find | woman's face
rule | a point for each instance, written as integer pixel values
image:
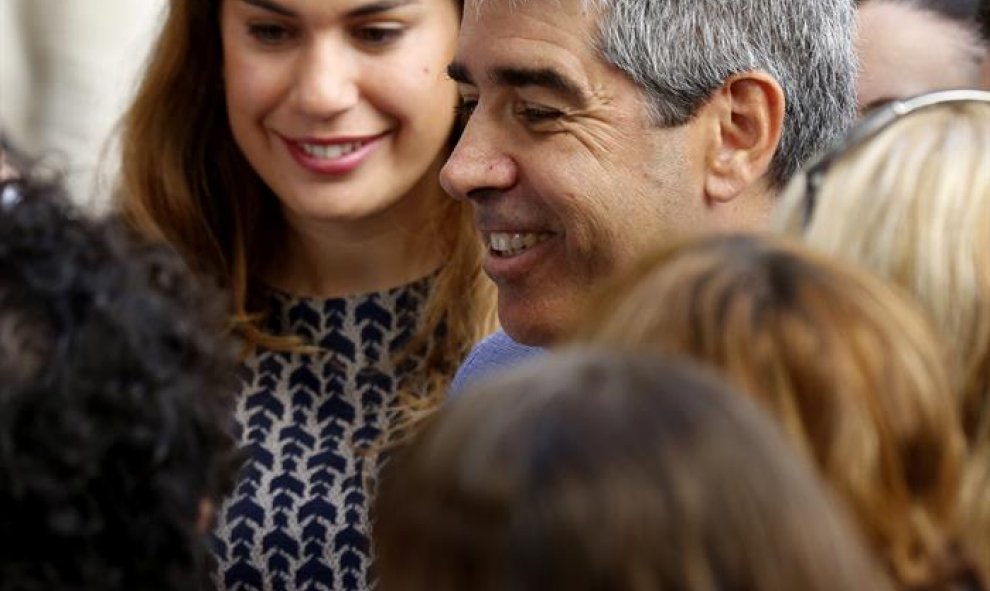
(341, 106)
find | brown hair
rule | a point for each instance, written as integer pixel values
(185, 181)
(594, 471)
(912, 204)
(846, 363)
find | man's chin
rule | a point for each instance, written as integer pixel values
(527, 325)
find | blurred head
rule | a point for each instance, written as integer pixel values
(595, 129)
(115, 404)
(908, 196)
(847, 365)
(896, 63)
(596, 471)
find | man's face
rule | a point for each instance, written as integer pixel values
(569, 177)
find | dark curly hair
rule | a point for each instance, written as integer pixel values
(116, 419)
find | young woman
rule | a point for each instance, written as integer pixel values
(290, 149)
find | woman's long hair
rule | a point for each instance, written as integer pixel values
(185, 181)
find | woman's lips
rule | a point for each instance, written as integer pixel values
(335, 156)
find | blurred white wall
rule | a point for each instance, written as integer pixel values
(67, 71)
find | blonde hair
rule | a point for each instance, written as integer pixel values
(594, 471)
(185, 181)
(912, 204)
(846, 364)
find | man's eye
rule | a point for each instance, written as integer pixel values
(537, 114)
(270, 33)
(379, 35)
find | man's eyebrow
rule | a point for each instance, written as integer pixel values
(519, 77)
(458, 72)
(542, 77)
(270, 6)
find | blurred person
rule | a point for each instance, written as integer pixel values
(67, 72)
(594, 131)
(847, 365)
(116, 436)
(907, 195)
(908, 47)
(596, 471)
(290, 149)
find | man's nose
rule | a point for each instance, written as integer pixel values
(326, 81)
(478, 164)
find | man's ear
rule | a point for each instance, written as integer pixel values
(745, 118)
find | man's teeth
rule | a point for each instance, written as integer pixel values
(332, 151)
(506, 245)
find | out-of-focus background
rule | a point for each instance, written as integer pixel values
(67, 71)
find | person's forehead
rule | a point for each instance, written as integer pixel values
(531, 33)
(891, 31)
(531, 17)
(893, 61)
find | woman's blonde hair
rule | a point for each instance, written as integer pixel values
(592, 471)
(847, 365)
(185, 181)
(912, 204)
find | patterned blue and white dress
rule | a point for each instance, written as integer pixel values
(298, 518)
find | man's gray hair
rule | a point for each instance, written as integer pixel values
(680, 51)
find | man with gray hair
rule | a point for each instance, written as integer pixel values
(595, 129)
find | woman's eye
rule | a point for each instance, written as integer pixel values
(270, 34)
(379, 35)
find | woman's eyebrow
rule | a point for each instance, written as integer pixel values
(373, 8)
(271, 7)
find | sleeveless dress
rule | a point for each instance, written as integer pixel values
(298, 517)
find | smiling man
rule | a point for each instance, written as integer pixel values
(595, 129)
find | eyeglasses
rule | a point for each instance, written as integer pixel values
(871, 125)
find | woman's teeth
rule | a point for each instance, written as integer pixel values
(331, 151)
(508, 245)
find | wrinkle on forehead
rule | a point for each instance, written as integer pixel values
(547, 44)
(475, 7)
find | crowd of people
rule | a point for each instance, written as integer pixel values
(626, 295)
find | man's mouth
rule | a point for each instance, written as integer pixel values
(506, 244)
